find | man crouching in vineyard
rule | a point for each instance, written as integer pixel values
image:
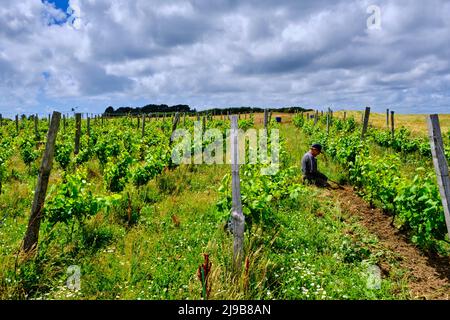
(309, 167)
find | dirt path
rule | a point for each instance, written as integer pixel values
(429, 276)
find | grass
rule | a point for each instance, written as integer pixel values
(416, 123)
(150, 244)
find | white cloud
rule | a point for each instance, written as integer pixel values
(222, 53)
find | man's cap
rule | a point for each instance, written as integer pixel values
(317, 146)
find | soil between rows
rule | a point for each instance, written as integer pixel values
(429, 274)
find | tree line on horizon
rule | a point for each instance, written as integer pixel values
(163, 108)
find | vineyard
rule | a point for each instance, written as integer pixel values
(138, 225)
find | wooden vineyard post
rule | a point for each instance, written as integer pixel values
(316, 115)
(330, 113)
(17, 123)
(204, 123)
(32, 234)
(270, 116)
(237, 216)
(392, 124)
(184, 119)
(345, 115)
(440, 165)
(366, 122)
(387, 118)
(64, 123)
(174, 126)
(138, 122)
(88, 126)
(328, 123)
(1, 120)
(266, 117)
(36, 128)
(143, 125)
(77, 132)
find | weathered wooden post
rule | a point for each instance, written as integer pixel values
(316, 115)
(36, 126)
(366, 122)
(345, 115)
(77, 132)
(32, 234)
(266, 118)
(440, 165)
(64, 123)
(392, 124)
(143, 125)
(17, 123)
(88, 126)
(176, 119)
(328, 123)
(387, 118)
(237, 216)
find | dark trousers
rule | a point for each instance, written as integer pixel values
(317, 178)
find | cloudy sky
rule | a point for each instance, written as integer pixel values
(94, 53)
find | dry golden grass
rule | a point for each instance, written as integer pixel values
(417, 123)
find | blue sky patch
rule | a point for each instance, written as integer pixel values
(60, 4)
(46, 75)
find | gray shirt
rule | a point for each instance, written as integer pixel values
(309, 164)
